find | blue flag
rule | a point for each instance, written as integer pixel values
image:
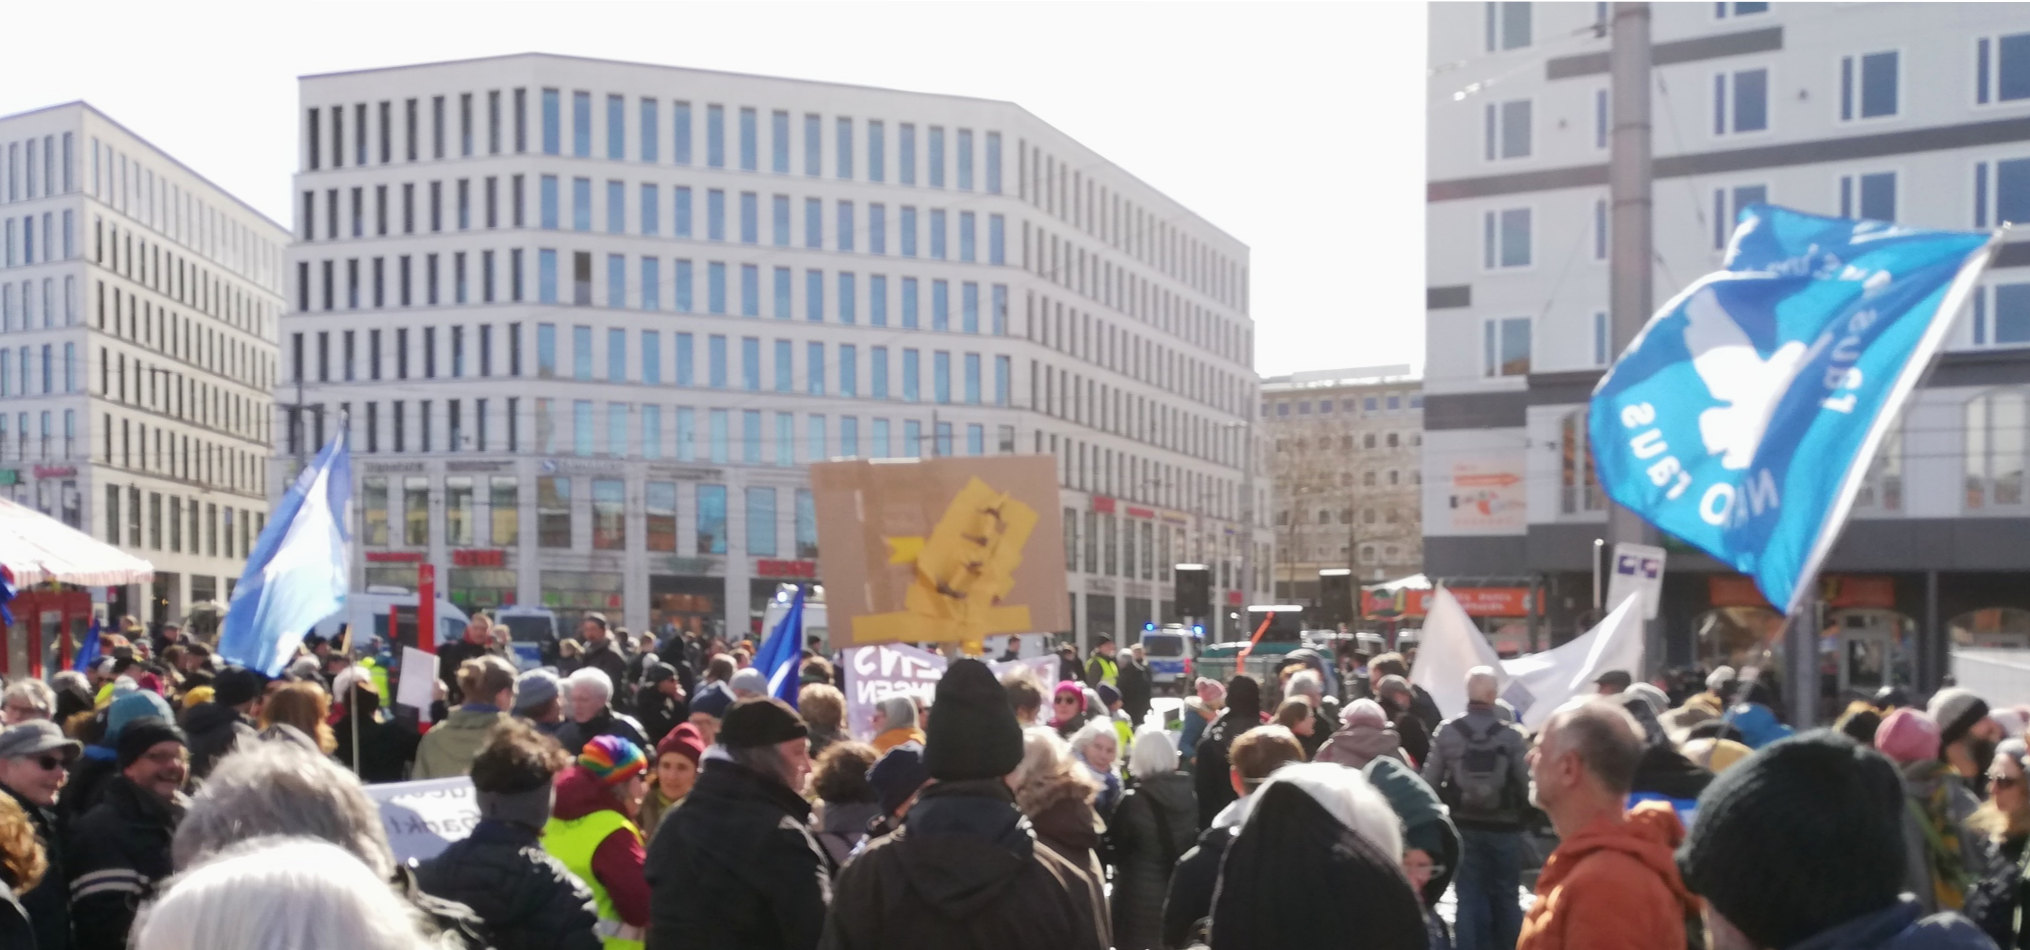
(297, 573)
(782, 654)
(1743, 419)
(88, 651)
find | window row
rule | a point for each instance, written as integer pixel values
(20, 237)
(35, 168)
(183, 216)
(1098, 279)
(1392, 402)
(197, 400)
(1115, 347)
(214, 530)
(38, 304)
(47, 370)
(185, 280)
(178, 336)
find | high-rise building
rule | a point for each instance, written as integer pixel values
(590, 321)
(138, 309)
(1916, 113)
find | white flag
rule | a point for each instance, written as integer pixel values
(1551, 678)
(1449, 647)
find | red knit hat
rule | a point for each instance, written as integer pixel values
(684, 740)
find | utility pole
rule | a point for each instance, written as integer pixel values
(1632, 257)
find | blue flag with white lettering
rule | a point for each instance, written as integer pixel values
(297, 573)
(1744, 417)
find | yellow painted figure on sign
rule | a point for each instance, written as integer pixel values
(962, 571)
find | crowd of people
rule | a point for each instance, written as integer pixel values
(648, 793)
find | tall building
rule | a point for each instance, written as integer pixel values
(1345, 465)
(590, 321)
(138, 309)
(1918, 113)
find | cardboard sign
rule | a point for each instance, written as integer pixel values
(423, 818)
(1638, 569)
(940, 550)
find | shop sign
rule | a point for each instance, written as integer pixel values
(694, 566)
(1233, 598)
(380, 468)
(1141, 590)
(1478, 602)
(1134, 512)
(479, 557)
(1100, 585)
(394, 557)
(56, 471)
(456, 467)
(771, 567)
(687, 473)
(1173, 518)
(1103, 504)
(580, 467)
(10, 476)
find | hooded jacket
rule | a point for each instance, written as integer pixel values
(214, 730)
(1297, 877)
(527, 898)
(1154, 825)
(1357, 745)
(1627, 866)
(618, 860)
(964, 871)
(1900, 926)
(1060, 807)
(447, 750)
(1189, 900)
(736, 868)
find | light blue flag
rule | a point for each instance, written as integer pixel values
(782, 654)
(297, 573)
(1744, 417)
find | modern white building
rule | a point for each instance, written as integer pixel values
(1919, 113)
(138, 310)
(590, 321)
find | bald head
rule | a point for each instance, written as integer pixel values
(1481, 684)
(1604, 737)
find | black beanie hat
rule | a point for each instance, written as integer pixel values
(143, 734)
(1804, 835)
(1294, 876)
(973, 733)
(237, 684)
(760, 721)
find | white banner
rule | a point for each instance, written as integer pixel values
(878, 672)
(423, 818)
(1536, 684)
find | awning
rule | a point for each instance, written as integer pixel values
(38, 549)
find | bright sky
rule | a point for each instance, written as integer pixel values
(1298, 128)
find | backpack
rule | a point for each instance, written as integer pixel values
(1480, 786)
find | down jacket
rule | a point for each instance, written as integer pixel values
(1156, 822)
(527, 898)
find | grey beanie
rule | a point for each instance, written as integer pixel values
(534, 688)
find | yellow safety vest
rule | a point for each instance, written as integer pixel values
(1110, 673)
(573, 841)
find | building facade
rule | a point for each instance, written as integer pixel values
(138, 310)
(1914, 113)
(1344, 461)
(590, 321)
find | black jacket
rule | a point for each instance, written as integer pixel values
(1135, 688)
(386, 747)
(1191, 885)
(658, 714)
(573, 735)
(1211, 781)
(526, 897)
(89, 776)
(48, 905)
(118, 853)
(450, 657)
(16, 929)
(213, 730)
(608, 657)
(736, 867)
(454, 926)
(1153, 826)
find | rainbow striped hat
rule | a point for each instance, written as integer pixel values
(612, 760)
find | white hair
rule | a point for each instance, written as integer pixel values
(1308, 683)
(1044, 756)
(1152, 754)
(1481, 684)
(279, 892)
(897, 712)
(282, 788)
(1093, 731)
(355, 675)
(303, 668)
(35, 693)
(748, 681)
(1348, 796)
(592, 678)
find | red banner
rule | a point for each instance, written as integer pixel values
(767, 567)
(479, 557)
(1478, 602)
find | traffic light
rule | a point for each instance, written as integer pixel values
(1194, 590)
(1335, 598)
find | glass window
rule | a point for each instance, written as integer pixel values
(844, 225)
(876, 160)
(976, 440)
(581, 204)
(609, 514)
(750, 218)
(551, 125)
(616, 207)
(940, 305)
(997, 240)
(750, 436)
(943, 431)
(909, 373)
(966, 245)
(877, 300)
(877, 228)
(814, 368)
(715, 356)
(878, 442)
(616, 127)
(849, 437)
(905, 153)
(1003, 368)
(1868, 88)
(785, 439)
(1602, 338)
(849, 370)
(935, 157)
(581, 124)
(1508, 26)
(582, 427)
(912, 439)
(682, 280)
(715, 287)
(1506, 241)
(687, 435)
(750, 290)
(814, 296)
(909, 303)
(651, 431)
(941, 376)
(651, 283)
(993, 163)
(553, 512)
(761, 522)
(684, 360)
(547, 186)
(2007, 70)
(2010, 324)
(814, 145)
(616, 280)
(1997, 449)
(1727, 207)
(711, 519)
(814, 223)
(972, 363)
(715, 136)
(908, 227)
(1741, 101)
(969, 307)
(680, 215)
(546, 350)
(680, 128)
(847, 298)
(715, 214)
(616, 356)
(844, 136)
(937, 234)
(778, 141)
(1508, 129)
(649, 133)
(504, 510)
(581, 352)
(785, 370)
(877, 372)
(965, 160)
(749, 146)
(720, 424)
(659, 523)
(783, 301)
(1868, 196)
(750, 363)
(1506, 347)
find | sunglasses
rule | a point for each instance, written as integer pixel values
(51, 763)
(1065, 701)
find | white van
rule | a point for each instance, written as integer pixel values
(367, 614)
(532, 634)
(814, 619)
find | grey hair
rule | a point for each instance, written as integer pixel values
(35, 693)
(303, 668)
(897, 712)
(1348, 795)
(1306, 682)
(1093, 731)
(1046, 760)
(1153, 753)
(592, 678)
(282, 788)
(72, 679)
(1482, 684)
(279, 892)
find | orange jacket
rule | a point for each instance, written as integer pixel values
(1613, 886)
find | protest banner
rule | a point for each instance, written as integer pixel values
(940, 550)
(423, 818)
(878, 672)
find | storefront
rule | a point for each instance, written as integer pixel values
(687, 594)
(571, 594)
(481, 579)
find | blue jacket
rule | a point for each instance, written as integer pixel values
(1758, 725)
(1902, 926)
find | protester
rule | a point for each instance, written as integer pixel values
(1012, 652)
(1317, 863)
(1363, 737)
(539, 700)
(34, 758)
(592, 832)
(895, 723)
(1967, 735)
(603, 653)
(447, 749)
(300, 707)
(1801, 846)
(1994, 901)
(1295, 715)
(275, 893)
(1025, 696)
(73, 695)
(1101, 667)
(528, 899)
(824, 710)
(1943, 854)
(676, 771)
(1430, 840)
(1097, 748)
(1210, 783)
(1136, 686)
(1151, 828)
(847, 801)
(26, 700)
(736, 866)
(1205, 704)
(23, 866)
(1308, 684)
(1480, 769)
(1068, 709)
(1110, 709)
(1256, 755)
(962, 872)
(384, 748)
(659, 703)
(99, 765)
(119, 850)
(452, 657)
(1068, 667)
(1056, 792)
(1608, 857)
(217, 726)
(593, 715)
(1420, 704)
(1398, 700)
(1663, 774)
(748, 683)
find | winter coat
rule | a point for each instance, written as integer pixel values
(1993, 900)
(213, 730)
(527, 898)
(1136, 688)
(386, 747)
(1212, 781)
(1356, 746)
(895, 737)
(608, 657)
(736, 868)
(48, 904)
(1923, 783)
(658, 714)
(1426, 827)
(447, 750)
(450, 657)
(450, 924)
(1189, 900)
(1425, 709)
(842, 826)
(1296, 876)
(1447, 762)
(1416, 738)
(1900, 926)
(1627, 866)
(1060, 807)
(619, 859)
(573, 735)
(118, 853)
(16, 929)
(1154, 825)
(89, 776)
(965, 871)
